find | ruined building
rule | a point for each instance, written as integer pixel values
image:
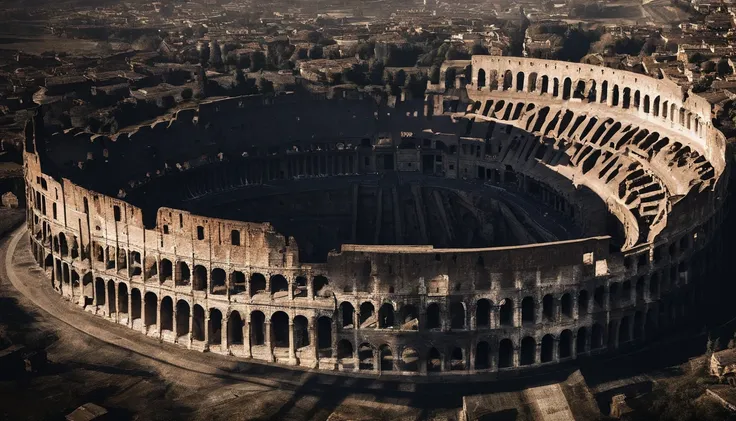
(524, 213)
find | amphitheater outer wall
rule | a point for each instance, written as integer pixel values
(476, 310)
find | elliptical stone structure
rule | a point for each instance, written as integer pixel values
(632, 162)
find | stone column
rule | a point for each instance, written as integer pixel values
(314, 341)
(130, 306)
(556, 350)
(538, 353)
(206, 328)
(224, 345)
(515, 359)
(574, 346)
(471, 358)
(246, 336)
(191, 322)
(356, 344)
(267, 340)
(174, 324)
(292, 350)
(158, 317)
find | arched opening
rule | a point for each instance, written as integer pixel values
(367, 316)
(100, 291)
(301, 333)
(182, 273)
(548, 308)
(483, 314)
(508, 80)
(434, 361)
(182, 318)
(457, 315)
(639, 291)
(324, 336)
(387, 358)
(199, 283)
(637, 99)
(409, 359)
(532, 83)
(279, 286)
(457, 359)
(280, 330)
(433, 316)
(215, 327)
(627, 98)
(257, 284)
(344, 350)
(566, 306)
(321, 286)
(505, 353)
(386, 316)
(528, 351)
(614, 96)
(166, 270)
(482, 356)
(237, 282)
(150, 304)
(300, 287)
(409, 317)
(527, 310)
(545, 84)
(111, 296)
(122, 298)
(566, 88)
(365, 357)
(257, 328)
(598, 297)
(548, 348)
(638, 326)
(347, 312)
(581, 341)
(623, 330)
(654, 285)
(198, 323)
(481, 79)
(646, 104)
(63, 245)
(520, 81)
(583, 303)
(235, 329)
(596, 339)
(217, 282)
(565, 347)
(136, 304)
(167, 314)
(506, 313)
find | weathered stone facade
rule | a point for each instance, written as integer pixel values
(245, 289)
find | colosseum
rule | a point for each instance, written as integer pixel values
(524, 213)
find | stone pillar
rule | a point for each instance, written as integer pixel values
(556, 350)
(224, 345)
(174, 324)
(130, 306)
(191, 322)
(158, 317)
(314, 341)
(356, 344)
(246, 337)
(206, 328)
(574, 346)
(515, 362)
(470, 365)
(310, 288)
(267, 340)
(292, 351)
(538, 353)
